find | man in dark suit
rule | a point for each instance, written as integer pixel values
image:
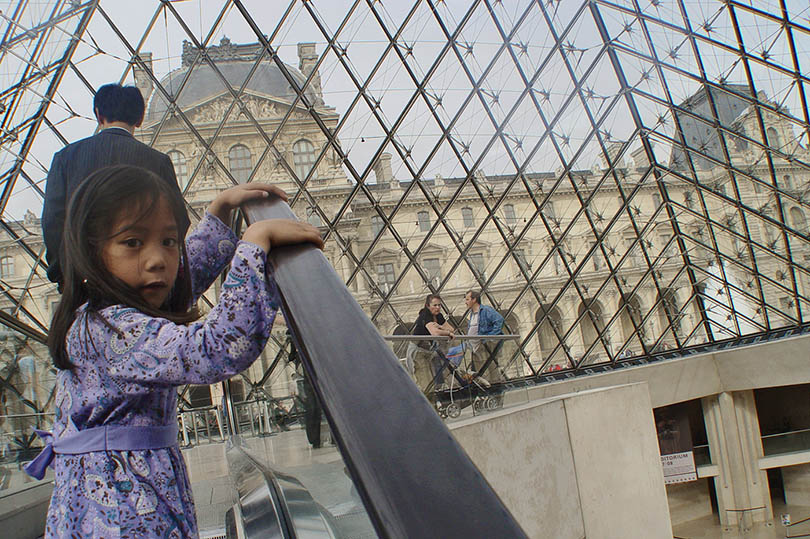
(119, 110)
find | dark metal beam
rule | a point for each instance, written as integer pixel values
(382, 423)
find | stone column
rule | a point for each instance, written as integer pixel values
(533, 348)
(732, 427)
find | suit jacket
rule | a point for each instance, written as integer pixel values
(74, 163)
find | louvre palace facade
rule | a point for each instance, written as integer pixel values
(631, 295)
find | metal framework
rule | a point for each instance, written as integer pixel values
(655, 155)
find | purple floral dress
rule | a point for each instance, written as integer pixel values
(130, 378)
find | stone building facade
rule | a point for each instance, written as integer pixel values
(570, 298)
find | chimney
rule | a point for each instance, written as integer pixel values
(640, 158)
(307, 58)
(142, 80)
(613, 150)
(382, 170)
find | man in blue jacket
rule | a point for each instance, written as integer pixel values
(484, 320)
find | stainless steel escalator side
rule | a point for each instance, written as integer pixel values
(270, 504)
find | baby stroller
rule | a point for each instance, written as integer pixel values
(465, 388)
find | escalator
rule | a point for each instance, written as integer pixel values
(270, 503)
(412, 477)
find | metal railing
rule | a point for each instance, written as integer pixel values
(194, 420)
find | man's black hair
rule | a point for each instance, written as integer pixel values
(475, 295)
(116, 103)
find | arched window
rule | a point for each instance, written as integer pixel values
(467, 216)
(631, 322)
(240, 162)
(180, 168)
(669, 312)
(304, 159)
(549, 332)
(591, 327)
(798, 220)
(6, 267)
(423, 218)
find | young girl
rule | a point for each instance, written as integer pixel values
(124, 337)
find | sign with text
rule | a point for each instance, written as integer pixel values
(679, 467)
(675, 444)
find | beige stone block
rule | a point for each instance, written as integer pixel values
(525, 455)
(689, 501)
(796, 480)
(618, 465)
(583, 464)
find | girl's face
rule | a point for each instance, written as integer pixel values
(145, 254)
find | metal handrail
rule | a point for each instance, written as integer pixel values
(447, 338)
(414, 479)
(270, 503)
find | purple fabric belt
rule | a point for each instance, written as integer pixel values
(107, 438)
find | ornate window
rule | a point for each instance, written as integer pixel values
(773, 138)
(313, 217)
(467, 216)
(509, 214)
(798, 220)
(6, 267)
(433, 269)
(240, 162)
(385, 276)
(304, 159)
(180, 167)
(556, 259)
(520, 256)
(376, 225)
(477, 260)
(548, 210)
(423, 218)
(596, 256)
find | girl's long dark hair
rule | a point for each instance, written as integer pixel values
(91, 217)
